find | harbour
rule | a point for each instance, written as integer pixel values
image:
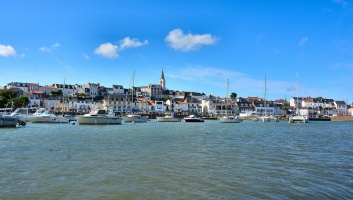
(156, 160)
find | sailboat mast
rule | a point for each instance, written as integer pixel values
(297, 95)
(265, 97)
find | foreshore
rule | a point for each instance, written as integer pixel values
(332, 119)
(342, 119)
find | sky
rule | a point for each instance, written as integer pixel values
(199, 44)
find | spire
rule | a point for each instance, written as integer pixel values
(162, 76)
(162, 81)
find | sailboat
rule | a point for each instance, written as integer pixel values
(133, 118)
(266, 117)
(229, 118)
(297, 117)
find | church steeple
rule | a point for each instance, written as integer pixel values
(162, 80)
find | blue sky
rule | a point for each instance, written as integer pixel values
(198, 44)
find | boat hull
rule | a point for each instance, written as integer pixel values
(8, 121)
(47, 119)
(194, 120)
(229, 120)
(167, 119)
(298, 119)
(98, 120)
(134, 119)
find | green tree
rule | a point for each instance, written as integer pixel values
(81, 95)
(233, 95)
(56, 92)
(286, 104)
(6, 96)
(21, 101)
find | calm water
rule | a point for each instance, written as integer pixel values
(250, 160)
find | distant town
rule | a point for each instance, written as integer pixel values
(156, 98)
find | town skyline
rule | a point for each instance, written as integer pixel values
(198, 44)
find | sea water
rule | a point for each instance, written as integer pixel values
(154, 160)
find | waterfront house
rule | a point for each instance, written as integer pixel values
(194, 105)
(93, 89)
(341, 107)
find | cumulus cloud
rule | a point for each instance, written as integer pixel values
(110, 50)
(107, 50)
(303, 41)
(7, 50)
(188, 42)
(49, 49)
(128, 43)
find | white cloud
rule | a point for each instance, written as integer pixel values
(188, 42)
(49, 49)
(86, 56)
(128, 43)
(303, 41)
(7, 50)
(107, 50)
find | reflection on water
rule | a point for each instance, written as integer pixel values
(178, 161)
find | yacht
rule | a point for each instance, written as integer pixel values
(134, 118)
(168, 117)
(45, 116)
(297, 117)
(9, 121)
(229, 119)
(193, 118)
(99, 117)
(21, 113)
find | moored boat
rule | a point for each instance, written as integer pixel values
(298, 118)
(168, 117)
(21, 113)
(10, 121)
(45, 116)
(99, 117)
(229, 119)
(193, 118)
(134, 118)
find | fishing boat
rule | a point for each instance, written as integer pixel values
(297, 117)
(99, 117)
(168, 117)
(193, 118)
(46, 116)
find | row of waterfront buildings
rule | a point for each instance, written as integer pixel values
(156, 98)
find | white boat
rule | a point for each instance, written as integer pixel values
(134, 118)
(99, 117)
(70, 118)
(297, 117)
(45, 116)
(266, 117)
(21, 113)
(10, 121)
(168, 117)
(229, 119)
(193, 118)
